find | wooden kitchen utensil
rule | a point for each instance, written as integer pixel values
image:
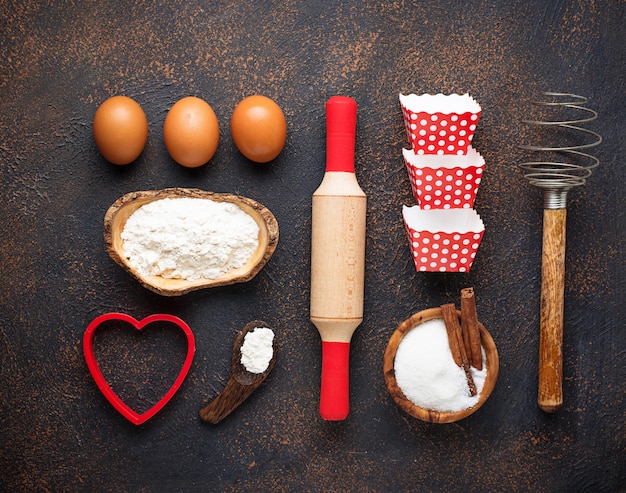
(241, 383)
(337, 257)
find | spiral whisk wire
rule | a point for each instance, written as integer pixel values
(560, 176)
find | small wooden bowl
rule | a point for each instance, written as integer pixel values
(117, 215)
(407, 405)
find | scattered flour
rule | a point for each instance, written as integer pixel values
(257, 349)
(189, 238)
(427, 374)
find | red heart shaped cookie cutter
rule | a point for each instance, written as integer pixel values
(101, 381)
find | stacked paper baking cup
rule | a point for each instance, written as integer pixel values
(445, 172)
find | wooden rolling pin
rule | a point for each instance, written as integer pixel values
(337, 257)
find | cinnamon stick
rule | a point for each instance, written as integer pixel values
(455, 340)
(471, 332)
(466, 335)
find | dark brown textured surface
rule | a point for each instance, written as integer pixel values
(59, 60)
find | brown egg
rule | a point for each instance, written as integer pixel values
(258, 128)
(120, 129)
(191, 132)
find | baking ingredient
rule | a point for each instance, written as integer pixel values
(191, 132)
(257, 349)
(120, 129)
(455, 343)
(471, 331)
(189, 238)
(427, 374)
(258, 128)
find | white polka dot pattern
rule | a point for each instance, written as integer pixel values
(445, 188)
(440, 133)
(443, 252)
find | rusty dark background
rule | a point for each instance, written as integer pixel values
(59, 60)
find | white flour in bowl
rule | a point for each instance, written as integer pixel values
(189, 238)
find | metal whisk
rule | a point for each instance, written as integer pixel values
(556, 178)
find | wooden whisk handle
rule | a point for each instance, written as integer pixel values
(550, 395)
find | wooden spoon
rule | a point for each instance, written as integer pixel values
(117, 215)
(241, 383)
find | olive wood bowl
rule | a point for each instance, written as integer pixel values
(119, 212)
(492, 365)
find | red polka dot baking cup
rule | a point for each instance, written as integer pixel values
(440, 124)
(444, 182)
(443, 240)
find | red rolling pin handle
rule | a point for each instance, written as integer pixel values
(340, 133)
(335, 388)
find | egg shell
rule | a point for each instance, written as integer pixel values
(258, 128)
(191, 132)
(120, 129)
